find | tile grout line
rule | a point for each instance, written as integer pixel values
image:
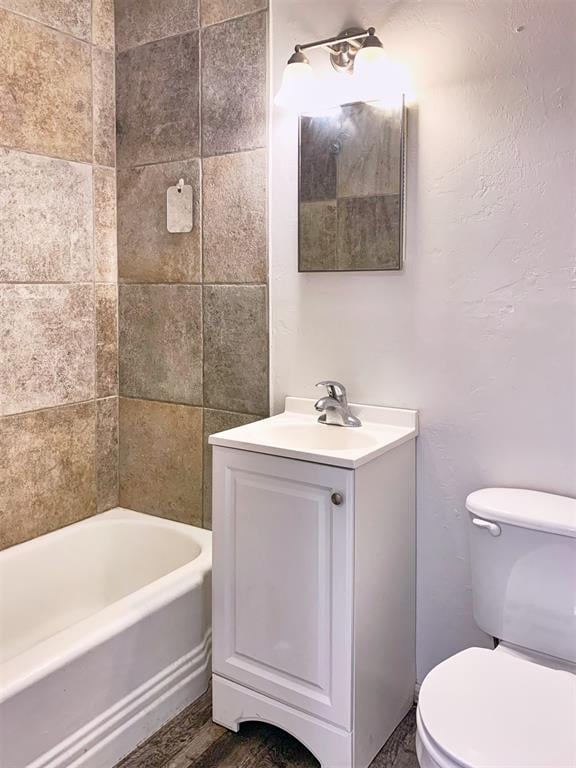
(116, 267)
(246, 150)
(180, 404)
(89, 163)
(202, 244)
(71, 404)
(95, 298)
(190, 285)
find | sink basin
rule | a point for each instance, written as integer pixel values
(316, 437)
(297, 434)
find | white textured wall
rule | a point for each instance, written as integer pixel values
(478, 332)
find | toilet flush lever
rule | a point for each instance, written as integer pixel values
(492, 528)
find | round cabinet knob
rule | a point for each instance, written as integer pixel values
(337, 498)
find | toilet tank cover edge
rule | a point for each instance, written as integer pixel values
(535, 510)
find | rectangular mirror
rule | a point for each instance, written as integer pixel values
(351, 191)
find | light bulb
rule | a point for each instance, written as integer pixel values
(368, 65)
(375, 76)
(297, 91)
(368, 60)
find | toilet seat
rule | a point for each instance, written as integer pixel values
(494, 709)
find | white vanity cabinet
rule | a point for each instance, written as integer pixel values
(314, 594)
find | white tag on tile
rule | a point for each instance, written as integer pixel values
(179, 217)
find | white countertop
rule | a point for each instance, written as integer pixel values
(296, 434)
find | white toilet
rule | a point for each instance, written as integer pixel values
(515, 706)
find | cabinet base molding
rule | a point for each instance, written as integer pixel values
(233, 704)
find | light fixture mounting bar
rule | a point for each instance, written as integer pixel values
(331, 42)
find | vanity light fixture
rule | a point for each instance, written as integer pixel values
(298, 87)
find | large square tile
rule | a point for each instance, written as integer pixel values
(161, 459)
(47, 471)
(236, 348)
(105, 250)
(161, 342)
(104, 107)
(71, 16)
(369, 233)
(45, 90)
(321, 141)
(234, 85)
(106, 340)
(235, 218)
(45, 219)
(140, 21)
(377, 169)
(107, 442)
(317, 241)
(157, 101)
(214, 11)
(103, 23)
(48, 346)
(217, 421)
(147, 252)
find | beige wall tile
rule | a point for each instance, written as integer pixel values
(140, 21)
(147, 252)
(45, 90)
(376, 169)
(235, 218)
(234, 96)
(161, 342)
(47, 346)
(217, 421)
(318, 226)
(107, 453)
(106, 340)
(71, 16)
(105, 249)
(321, 138)
(47, 471)
(236, 348)
(104, 107)
(103, 23)
(161, 459)
(213, 11)
(369, 233)
(158, 115)
(45, 220)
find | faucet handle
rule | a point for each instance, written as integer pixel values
(335, 390)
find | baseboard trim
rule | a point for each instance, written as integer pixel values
(108, 738)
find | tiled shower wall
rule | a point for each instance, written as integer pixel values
(58, 292)
(191, 104)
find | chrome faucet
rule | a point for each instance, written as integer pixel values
(334, 406)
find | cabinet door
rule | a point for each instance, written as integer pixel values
(282, 580)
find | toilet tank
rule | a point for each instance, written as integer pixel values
(523, 562)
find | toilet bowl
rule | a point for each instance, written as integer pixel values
(515, 706)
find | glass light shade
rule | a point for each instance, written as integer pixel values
(298, 90)
(376, 78)
(368, 60)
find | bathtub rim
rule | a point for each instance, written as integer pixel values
(56, 651)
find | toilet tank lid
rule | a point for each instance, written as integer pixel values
(536, 510)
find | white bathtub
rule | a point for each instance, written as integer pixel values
(104, 635)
